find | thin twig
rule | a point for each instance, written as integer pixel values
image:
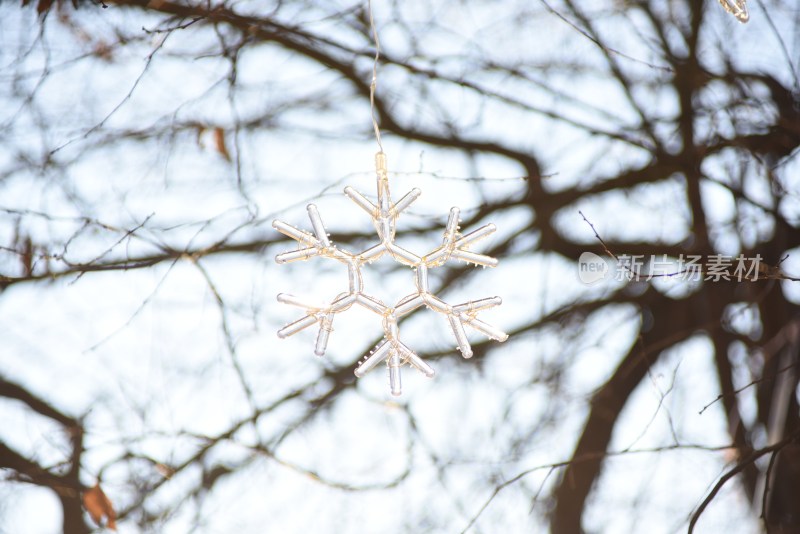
(766, 491)
(746, 386)
(584, 458)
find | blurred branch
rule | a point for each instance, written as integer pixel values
(67, 486)
(743, 464)
(588, 458)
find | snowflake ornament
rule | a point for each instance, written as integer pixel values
(384, 215)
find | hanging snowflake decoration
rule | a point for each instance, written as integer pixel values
(384, 216)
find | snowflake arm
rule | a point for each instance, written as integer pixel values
(457, 247)
(460, 314)
(395, 353)
(318, 244)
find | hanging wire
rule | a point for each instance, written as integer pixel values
(374, 85)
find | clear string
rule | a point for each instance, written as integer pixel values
(374, 84)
